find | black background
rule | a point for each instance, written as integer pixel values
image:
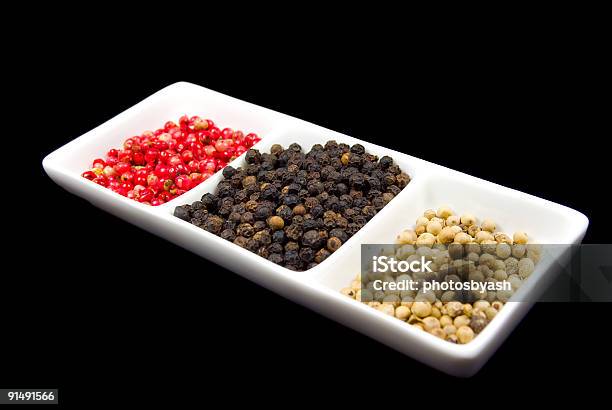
(96, 307)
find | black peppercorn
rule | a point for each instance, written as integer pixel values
(252, 156)
(262, 237)
(210, 202)
(378, 203)
(321, 255)
(279, 237)
(263, 213)
(293, 232)
(213, 224)
(339, 233)
(299, 210)
(229, 225)
(284, 212)
(317, 211)
(245, 230)
(385, 162)
(291, 246)
(310, 224)
(402, 180)
(259, 225)
(291, 200)
(333, 244)
(229, 172)
(368, 211)
(247, 218)
(292, 258)
(228, 235)
(240, 241)
(276, 149)
(181, 212)
(276, 258)
(311, 239)
(307, 254)
(315, 200)
(252, 245)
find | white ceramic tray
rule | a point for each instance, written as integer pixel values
(318, 288)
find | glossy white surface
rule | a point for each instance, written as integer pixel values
(431, 186)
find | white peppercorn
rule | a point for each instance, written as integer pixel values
(461, 320)
(518, 250)
(465, 334)
(426, 239)
(511, 266)
(498, 265)
(421, 309)
(434, 227)
(430, 213)
(449, 329)
(454, 309)
(457, 229)
(463, 238)
(438, 333)
(520, 238)
(488, 246)
(515, 281)
(468, 219)
(430, 323)
(488, 225)
(467, 309)
(481, 304)
(500, 275)
(407, 236)
(422, 221)
(444, 212)
(446, 235)
(476, 276)
(503, 251)
(472, 248)
(473, 256)
(497, 305)
(483, 236)
(439, 220)
(445, 320)
(453, 220)
(502, 238)
(525, 267)
(491, 312)
(420, 229)
(402, 312)
(473, 230)
(478, 323)
(504, 295)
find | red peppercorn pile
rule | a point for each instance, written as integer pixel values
(158, 166)
(296, 208)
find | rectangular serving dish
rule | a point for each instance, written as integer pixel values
(318, 288)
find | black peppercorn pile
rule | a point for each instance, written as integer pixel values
(295, 209)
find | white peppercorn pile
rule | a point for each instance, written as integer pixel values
(460, 249)
(294, 208)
